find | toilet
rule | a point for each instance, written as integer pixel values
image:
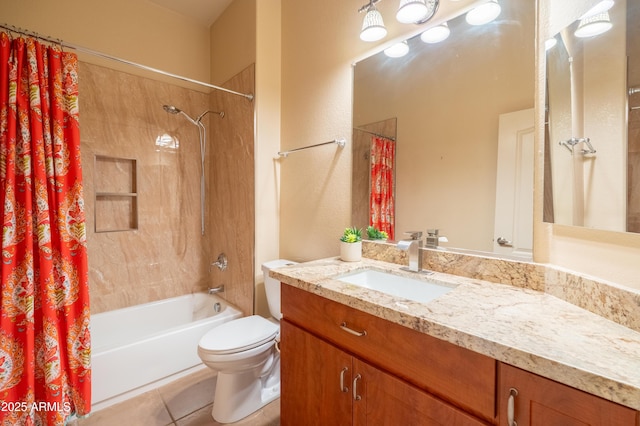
(243, 353)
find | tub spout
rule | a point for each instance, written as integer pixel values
(214, 290)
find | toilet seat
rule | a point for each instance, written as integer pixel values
(238, 335)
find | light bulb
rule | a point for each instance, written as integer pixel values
(397, 50)
(436, 34)
(411, 11)
(484, 13)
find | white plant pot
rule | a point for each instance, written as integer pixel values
(351, 252)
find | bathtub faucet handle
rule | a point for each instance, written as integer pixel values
(221, 262)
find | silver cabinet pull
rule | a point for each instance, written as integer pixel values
(511, 407)
(352, 331)
(357, 397)
(343, 388)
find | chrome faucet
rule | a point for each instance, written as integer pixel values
(432, 238)
(413, 245)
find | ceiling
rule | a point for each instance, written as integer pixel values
(204, 11)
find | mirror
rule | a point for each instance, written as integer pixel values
(592, 142)
(445, 104)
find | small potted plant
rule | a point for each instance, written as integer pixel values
(375, 234)
(351, 245)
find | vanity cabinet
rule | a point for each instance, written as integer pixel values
(324, 385)
(342, 366)
(537, 401)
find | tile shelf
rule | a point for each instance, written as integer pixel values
(116, 196)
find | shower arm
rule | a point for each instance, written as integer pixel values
(202, 133)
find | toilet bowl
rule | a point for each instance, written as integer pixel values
(243, 353)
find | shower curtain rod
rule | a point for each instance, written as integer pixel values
(339, 142)
(375, 134)
(82, 49)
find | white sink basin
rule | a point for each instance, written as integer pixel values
(396, 285)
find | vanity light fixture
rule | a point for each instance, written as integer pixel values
(484, 13)
(397, 50)
(436, 34)
(601, 7)
(373, 28)
(411, 11)
(593, 25)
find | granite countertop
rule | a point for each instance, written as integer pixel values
(525, 328)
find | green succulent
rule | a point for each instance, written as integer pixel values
(375, 234)
(351, 235)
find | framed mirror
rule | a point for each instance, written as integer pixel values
(592, 132)
(448, 106)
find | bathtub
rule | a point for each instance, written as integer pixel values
(138, 348)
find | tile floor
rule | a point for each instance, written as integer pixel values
(185, 402)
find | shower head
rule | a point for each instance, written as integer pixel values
(173, 110)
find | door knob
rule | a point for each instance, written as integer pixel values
(504, 242)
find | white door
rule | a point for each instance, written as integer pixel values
(513, 228)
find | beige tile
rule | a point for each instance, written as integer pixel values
(144, 410)
(201, 417)
(271, 413)
(264, 417)
(190, 393)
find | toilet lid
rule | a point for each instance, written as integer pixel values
(239, 335)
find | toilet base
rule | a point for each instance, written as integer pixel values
(238, 395)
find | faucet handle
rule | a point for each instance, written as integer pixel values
(414, 235)
(433, 232)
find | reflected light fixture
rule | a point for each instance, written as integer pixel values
(436, 34)
(484, 13)
(601, 7)
(593, 25)
(411, 11)
(397, 50)
(372, 27)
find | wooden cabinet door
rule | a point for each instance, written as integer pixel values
(311, 371)
(543, 402)
(382, 399)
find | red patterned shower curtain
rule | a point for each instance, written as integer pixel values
(381, 202)
(44, 320)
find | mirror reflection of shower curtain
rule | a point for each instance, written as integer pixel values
(381, 202)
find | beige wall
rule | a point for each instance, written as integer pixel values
(609, 255)
(268, 104)
(248, 32)
(137, 31)
(233, 40)
(319, 45)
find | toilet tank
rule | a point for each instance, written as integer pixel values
(272, 287)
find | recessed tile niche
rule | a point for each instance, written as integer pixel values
(116, 203)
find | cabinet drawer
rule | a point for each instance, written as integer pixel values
(462, 377)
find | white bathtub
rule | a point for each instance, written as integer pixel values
(138, 348)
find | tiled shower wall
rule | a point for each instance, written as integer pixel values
(156, 249)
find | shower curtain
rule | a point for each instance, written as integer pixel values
(45, 357)
(381, 202)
